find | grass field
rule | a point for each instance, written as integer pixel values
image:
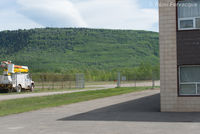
(28, 104)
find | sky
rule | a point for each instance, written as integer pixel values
(107, 14)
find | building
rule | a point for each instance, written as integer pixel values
(180, 55)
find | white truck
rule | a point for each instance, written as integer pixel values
(15, 78)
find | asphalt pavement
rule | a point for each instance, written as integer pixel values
(134, 113)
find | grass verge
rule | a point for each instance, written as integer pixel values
(14, 106)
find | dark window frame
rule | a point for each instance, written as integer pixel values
(177, 30)
(177, 21)
(179, 83)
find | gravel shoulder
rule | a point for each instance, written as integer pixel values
(27, 95)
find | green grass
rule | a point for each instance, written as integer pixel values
(15, 106)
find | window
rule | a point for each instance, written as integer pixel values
(189, 80)
(186, 23)
(198, 23)
(188, 14)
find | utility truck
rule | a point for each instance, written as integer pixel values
(15, 78)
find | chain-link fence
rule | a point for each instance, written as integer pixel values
(59, 81)
(122, 80)
(66, 81)
(54, 81)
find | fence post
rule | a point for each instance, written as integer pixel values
(77, 81)
(135, 83)
(153, 80)
(63, 81)
(70, 84)
(80, 81)
(118, 79)
(42, 79)
(49, 85)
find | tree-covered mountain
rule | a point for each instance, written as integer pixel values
(61, 49)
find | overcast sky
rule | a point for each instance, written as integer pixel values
(111, 14)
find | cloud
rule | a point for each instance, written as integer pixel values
(111, 14)
(117, 14)
(56, 13)
(13, 21)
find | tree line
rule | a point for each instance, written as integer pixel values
(142, 72)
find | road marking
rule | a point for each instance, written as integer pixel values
(15, 128)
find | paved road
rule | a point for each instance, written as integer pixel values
(138, 84)
(134, 113)
(94, 87)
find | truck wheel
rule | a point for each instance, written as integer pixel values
(32, 88)
(19, 89)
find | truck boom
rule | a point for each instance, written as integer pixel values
(17, 68)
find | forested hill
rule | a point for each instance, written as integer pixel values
(61, 49)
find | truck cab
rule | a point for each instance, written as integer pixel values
(22, 81)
